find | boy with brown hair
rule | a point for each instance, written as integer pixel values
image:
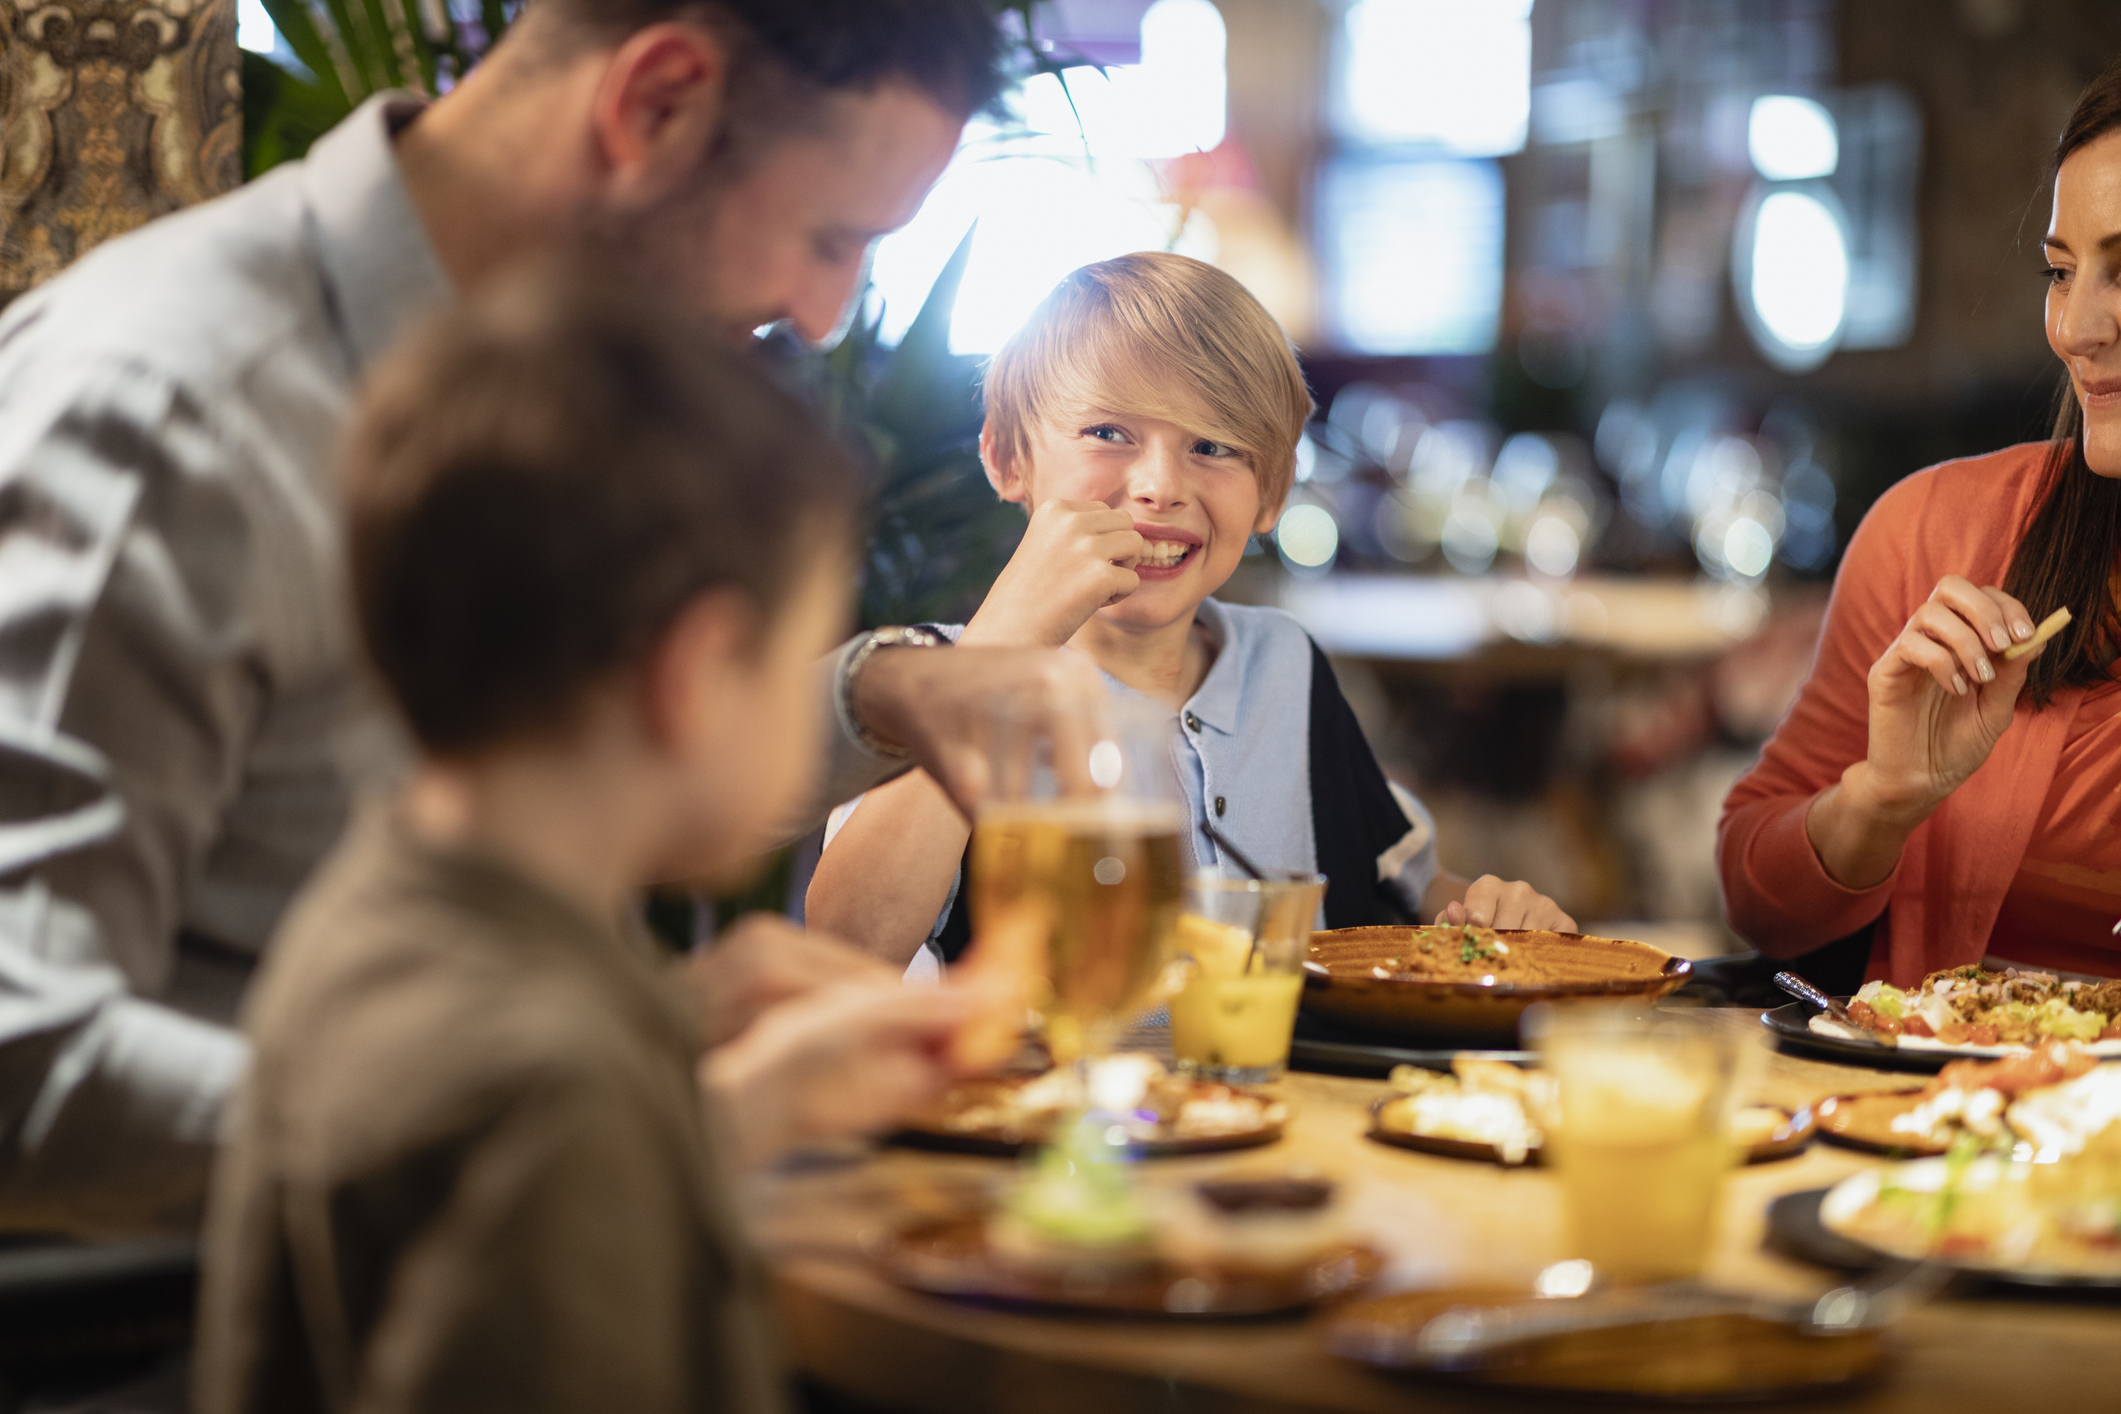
(1147, 415)
(594, 556)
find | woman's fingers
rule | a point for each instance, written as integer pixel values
(1961, 639)
(1987, 617)
(2014, 613)
(1926, 655)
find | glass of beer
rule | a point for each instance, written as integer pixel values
(1240, 948)
(1640, 1135)
(1076, 870)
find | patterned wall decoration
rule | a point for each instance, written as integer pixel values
(112, 112)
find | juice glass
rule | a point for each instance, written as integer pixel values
(1640, 1132)
(1242, 943)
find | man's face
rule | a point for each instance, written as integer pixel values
(786, 237)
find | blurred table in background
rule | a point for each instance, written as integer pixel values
(1444, 618)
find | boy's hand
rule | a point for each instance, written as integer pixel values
(1076, 558)
(842, 1061)
(1497, 903)
(765, 960)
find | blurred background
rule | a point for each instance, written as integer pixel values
(1619, 314)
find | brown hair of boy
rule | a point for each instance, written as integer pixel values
(1162, 336)
(539, 481)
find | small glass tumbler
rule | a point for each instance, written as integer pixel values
(1240, 951)
(1640, 1131)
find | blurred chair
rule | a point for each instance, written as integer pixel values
(112, 112)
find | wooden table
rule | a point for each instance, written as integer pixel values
(1443, 1221)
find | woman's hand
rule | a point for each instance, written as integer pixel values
(1941, 696)
(1076, 558)
(1490, 902)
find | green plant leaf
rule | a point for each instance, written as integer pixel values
(297, 25)
(283, 113)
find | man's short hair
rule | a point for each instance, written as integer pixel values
(540, 480)
(950, 49)
(1162, 336)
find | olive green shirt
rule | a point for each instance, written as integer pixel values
(471, 1168)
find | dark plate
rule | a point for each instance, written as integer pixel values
(1338, 1057)
(1704, 1360)
(1792, 1033)
(949, 1257)
(1795, 1230)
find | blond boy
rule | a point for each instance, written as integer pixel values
(1147, 416)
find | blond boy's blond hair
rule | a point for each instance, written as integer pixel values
(1162, 336)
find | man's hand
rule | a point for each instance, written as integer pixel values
(938, 703)
(838, 1062)
(1490, 902)
(762, 962)
(1076, 557)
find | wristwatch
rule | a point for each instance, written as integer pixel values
(918, 636)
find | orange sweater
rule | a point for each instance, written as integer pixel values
(1940, 903)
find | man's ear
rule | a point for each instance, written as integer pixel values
(659, 110)
(700, 653)
(1005, 474)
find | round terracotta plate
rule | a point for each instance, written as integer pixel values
(1704, 1359)
(949, 1257)
(1866, 1122)
(936, 1131)
(1790, 1138)
(1358, 978)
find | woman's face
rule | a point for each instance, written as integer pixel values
(2084, 292)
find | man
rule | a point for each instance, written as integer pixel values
(182, 721)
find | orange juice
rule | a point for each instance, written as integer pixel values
(1641, 1144)
(1241, 1023)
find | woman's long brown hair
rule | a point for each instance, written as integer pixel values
(2066, 559)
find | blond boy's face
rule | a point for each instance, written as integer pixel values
(1195, 501)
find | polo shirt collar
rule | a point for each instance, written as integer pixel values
(381, 271)
(1216, 702)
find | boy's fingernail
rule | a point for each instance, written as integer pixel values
(1986, 673)
(1998, 637)
(2023, 628)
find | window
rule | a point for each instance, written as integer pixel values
(1050, 194)
(1409, 211)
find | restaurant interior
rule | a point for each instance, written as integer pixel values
(1619, 316)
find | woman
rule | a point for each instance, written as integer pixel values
(1924, 790)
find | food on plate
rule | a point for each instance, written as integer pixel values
(2059, 1216)
(1986, 1010)
(1460, 953)
(1479, 1102)
(1503, 1106)
(1077, 1214)
(1971, 1099)
(1253, 1224)
(1151, 1103)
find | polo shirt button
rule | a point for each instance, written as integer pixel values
(1192, 722)
(1219, 804)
